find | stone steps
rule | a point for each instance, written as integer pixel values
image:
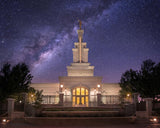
(60, 111)
(102, 108)
(79, 121)
(81, 113)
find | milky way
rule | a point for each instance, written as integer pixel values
(119, 33)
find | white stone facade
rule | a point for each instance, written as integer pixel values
(80, 69)
(80, 86)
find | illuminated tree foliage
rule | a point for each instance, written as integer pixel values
(146, 81)
(14, 80)
(35, 97)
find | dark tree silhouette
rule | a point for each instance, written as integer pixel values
(14, 80)
(146, 81)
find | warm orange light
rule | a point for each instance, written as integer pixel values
(4, 120)
(155, 119)
(128, 94)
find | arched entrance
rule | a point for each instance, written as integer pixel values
(80, 96)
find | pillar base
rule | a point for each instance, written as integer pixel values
(99, 99)
(10, 106)
(148, 106)
(61, 95)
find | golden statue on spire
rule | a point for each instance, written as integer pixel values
(80, 24)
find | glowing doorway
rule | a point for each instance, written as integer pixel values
(80, 97)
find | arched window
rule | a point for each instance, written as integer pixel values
(80, 96)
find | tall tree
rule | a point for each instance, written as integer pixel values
(14, 80)
(146, 81)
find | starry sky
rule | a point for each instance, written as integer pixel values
(119, 33)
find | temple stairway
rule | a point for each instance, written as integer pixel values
(103, 111)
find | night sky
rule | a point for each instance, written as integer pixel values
(119, 33)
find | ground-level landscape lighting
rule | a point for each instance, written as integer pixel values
(4, 120)
(128, 95)
(154, 120)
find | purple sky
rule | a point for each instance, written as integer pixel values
(119, 33)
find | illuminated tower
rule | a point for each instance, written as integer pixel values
(80, 65)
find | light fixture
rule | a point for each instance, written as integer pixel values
(61, 85)
(98, 85)
(155, 119)
(4, 120)
(20, 101)
(128, 95)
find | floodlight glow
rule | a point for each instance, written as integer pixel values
(155, 119)
(98, 85)
(4, 120)
(61, 86)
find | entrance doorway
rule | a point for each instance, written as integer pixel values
(80, 97)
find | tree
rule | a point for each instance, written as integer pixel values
(146, 81)
(14, 80)
(35, 97)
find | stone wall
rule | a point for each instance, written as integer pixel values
(48, 88)
(111, 88)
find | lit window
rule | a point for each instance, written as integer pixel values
(86, 92)
(80, 96)
(82, 100)
(82, 91)
(74, 92)
(78, 91)
(78, 100)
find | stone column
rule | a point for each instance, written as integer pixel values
(98, 99)
(61, 95)
(10, 106)
(25, 100)
(148, 106)
(135, 98)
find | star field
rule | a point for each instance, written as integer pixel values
(119, 33)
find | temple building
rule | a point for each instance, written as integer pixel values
(80, 87)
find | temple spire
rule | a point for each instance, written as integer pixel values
(80, 36)
(80, 41)
(80, 65)
(80, 24)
